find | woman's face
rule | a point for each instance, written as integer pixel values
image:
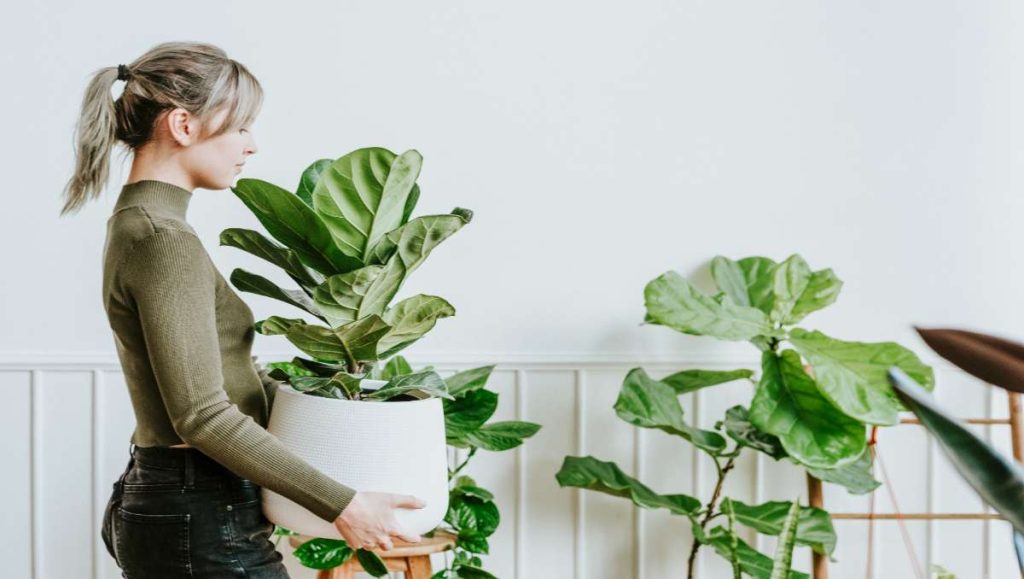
(214, 163)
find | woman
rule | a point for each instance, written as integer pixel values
(188, 502)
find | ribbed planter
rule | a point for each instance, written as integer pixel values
(392, 447)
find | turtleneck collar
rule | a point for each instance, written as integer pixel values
(159, 196)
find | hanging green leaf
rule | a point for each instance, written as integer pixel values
(787, 404)
(257, 244)
(468, 412)
(323, 553)
(606, 477)
(259, 285)
(649, 403)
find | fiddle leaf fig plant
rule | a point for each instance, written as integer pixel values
(347, 239)
(813, 400)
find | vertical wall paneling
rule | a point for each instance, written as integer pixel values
(67, 428)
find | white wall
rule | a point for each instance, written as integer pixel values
(598, 143)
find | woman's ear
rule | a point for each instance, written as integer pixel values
(181, 126)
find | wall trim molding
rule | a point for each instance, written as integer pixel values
(108, 360)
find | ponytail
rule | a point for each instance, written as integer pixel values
(94, 139)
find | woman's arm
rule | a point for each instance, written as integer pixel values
(269, 384)
(172, 281)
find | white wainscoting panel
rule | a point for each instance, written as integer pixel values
(66, 423)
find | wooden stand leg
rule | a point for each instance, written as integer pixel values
(816, 499)
(419, 567)
(346, 571)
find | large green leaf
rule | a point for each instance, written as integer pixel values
(257, 244)
(693, 380)
(739, 428)
(276, 325)
(856, 477)
(753, 563)
(257, 284)
(290, 221)
(499, 436)
(590, 473)
(649, 403)
(342, 298)
(788, 284)
(789, 405)
(997, 480)
(852, 375)
(410, 319)
(363, 196)
(672, 301)
(814, 528)
(747, 282)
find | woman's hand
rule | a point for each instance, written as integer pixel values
(368, 522)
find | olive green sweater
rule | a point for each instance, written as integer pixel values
(184, 338)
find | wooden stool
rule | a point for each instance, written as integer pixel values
(413, 559)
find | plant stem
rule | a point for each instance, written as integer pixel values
(472, 451)
(722, 471)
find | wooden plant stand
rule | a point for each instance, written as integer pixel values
(413, 559)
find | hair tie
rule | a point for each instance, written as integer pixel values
(122, 72)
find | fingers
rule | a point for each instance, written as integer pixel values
(408, 502)
(406, 536)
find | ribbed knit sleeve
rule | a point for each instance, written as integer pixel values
(172, 281)
(269, 384)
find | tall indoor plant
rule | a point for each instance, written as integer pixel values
(347, 240)
(813, 401)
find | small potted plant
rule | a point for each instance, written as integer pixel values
(348, 242)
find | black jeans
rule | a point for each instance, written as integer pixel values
(177, 513)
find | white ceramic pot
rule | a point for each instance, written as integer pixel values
(392, 446)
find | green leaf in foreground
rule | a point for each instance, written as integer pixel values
(590, 473)
(789, 405)
(996, 479)
(499, 436)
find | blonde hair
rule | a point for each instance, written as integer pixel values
(194, 76)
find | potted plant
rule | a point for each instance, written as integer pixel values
(812, 403)
(348, 242)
